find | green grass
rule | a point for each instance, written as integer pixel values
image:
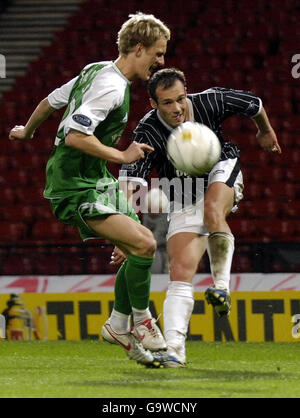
(96, 369)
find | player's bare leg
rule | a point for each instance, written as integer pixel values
(132, 289)
(138, 243)
(185, 251)
(219, 200)
(128, 235)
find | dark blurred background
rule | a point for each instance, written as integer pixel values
(238, 44)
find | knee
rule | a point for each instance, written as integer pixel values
(182, 270)
(146, 244)
(150, 245)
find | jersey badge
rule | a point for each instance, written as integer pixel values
(82, 120)
(251, 105)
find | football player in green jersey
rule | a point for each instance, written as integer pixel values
(84, 194)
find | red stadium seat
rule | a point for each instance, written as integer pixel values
(277, 230)
(287, 140)
(47, 230)
(263, 208)
(244, 62)
(241, 263)
(95, 265)
(14, 264)
(44, 145)
(279, 107)
(3, 180)
(284, 90)
(293, 174)
(30, 195)
(289, 157)
(291, 209)
(37, 177)
(19, 212)
(255, 157)
(291, 124)
(71, 265)
(43, 211)
(47, 264)
(14, 148)
(100, 263)
(15, 178)
(71, 234)
(267, 174)
(261, 31)
(253, 191)
(4, 163)
(280, 190)
(190, 49)
(8, 196)
(12, 231)
(224, 77)
(233, 124)
(28, 161)
(242, 229)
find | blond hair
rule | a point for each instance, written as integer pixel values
(141, 28)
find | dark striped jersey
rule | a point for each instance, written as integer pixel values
(210, 107)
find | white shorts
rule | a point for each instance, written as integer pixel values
(190, 219)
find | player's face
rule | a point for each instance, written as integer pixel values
(152, 58)
(172, 104)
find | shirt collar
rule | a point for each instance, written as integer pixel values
(120, 73)
(163, 122)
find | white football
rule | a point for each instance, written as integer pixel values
(193, 148)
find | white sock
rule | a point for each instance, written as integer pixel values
(140, 315)
(178, 308)
(120, 323)
(220, 250)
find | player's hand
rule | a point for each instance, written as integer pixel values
(268, 141)
(19, 133)
(136, 151)
(117, 257)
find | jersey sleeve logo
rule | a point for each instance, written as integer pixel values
(82, 120)
(251, 105)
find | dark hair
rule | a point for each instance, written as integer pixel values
(165, 78)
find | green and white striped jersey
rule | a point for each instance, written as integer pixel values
(97, 104)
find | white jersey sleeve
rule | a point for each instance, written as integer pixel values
(60, 96)
(98, 101)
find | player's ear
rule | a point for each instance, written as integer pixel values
(138, 48)
(153, 103)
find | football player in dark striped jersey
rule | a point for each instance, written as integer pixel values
(191, 234)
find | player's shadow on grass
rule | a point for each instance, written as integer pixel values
(190, 373)
(176, 378)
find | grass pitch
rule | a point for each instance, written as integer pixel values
(95, 369)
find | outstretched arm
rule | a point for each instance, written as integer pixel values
(40, 114)
(91, 145)
(238, 102)
(266, 135)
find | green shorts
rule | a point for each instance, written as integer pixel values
(74, 208)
